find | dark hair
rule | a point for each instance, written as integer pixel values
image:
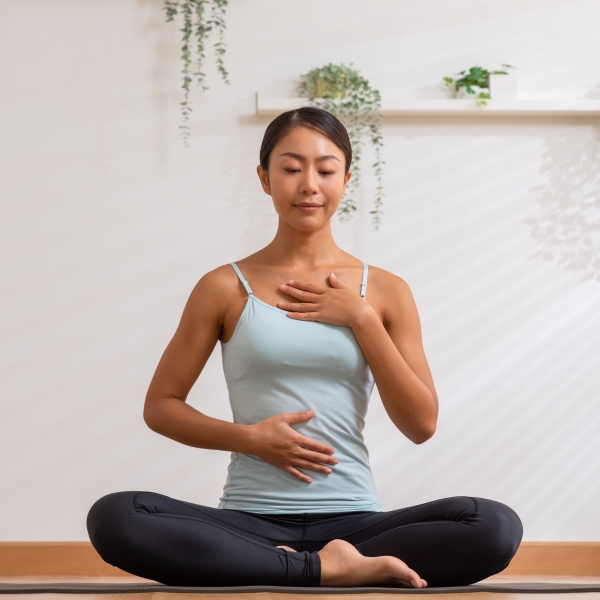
(316, 118)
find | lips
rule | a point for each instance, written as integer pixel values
(308, 205)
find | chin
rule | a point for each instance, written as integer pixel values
(306, 224)
(305, 221)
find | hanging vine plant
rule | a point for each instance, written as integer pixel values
(197, 23)
(342, 91)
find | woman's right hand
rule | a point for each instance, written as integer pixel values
(280, 445)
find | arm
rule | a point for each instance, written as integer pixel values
(394, 350)
(165, 408)
(391, 344)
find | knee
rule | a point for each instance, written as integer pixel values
(106, 521)
(502, 533)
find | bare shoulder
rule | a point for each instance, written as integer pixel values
(381, 278)
(214, 292)
(390, 295)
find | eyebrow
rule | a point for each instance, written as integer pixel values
(300, 157)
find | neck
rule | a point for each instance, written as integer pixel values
(303, 249)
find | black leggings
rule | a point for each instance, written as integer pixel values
(448, 542)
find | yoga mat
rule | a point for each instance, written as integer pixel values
(135, 588)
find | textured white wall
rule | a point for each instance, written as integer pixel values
(107, 223)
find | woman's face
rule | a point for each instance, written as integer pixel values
(305, 167)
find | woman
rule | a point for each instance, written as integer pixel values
(302, 348)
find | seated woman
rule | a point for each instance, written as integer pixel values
(302, 348)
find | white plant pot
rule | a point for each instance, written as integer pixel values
(504, 87)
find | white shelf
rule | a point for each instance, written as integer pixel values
(463, 107)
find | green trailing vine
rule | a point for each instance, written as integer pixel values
(197, 24)
(342, 91)
(476, 77)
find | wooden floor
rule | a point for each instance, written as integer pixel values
(284, 596)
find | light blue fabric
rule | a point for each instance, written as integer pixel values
(275, 364)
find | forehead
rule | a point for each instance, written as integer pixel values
(305, 143)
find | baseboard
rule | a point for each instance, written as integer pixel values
(556, 558)
(53, 558)
(80, 558)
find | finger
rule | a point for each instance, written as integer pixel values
(306, 295)
(298, 416)
(298, 474)
(309, 287)
(298, 306)
(335, 282)
(303, 316)
(313, 466)
(318, 457)
(310, 444)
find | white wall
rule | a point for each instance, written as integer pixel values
(107, 222)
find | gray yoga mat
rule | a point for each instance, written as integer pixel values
(136, 588)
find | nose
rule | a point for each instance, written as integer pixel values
(310, 183)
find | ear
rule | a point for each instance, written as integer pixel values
(264, 179)
(347, 179)
(335, 281)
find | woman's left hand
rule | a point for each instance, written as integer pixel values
(337, 305)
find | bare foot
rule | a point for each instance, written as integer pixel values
(287, 548)
(343, 565)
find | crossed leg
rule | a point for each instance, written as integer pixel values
(185, 544)
(448, 542)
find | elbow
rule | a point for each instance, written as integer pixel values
(426, 432)
(149, 418)
(427, 426)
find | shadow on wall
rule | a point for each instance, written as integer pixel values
(568, 227)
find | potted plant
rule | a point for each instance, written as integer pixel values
(342, 91)
(196, 23)
(475, 82)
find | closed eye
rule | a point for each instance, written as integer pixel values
(298, 170)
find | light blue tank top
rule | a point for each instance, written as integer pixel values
(275, 364)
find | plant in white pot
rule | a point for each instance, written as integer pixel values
(475, 82)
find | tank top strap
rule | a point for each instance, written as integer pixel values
(363, 285)
(239, 273)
